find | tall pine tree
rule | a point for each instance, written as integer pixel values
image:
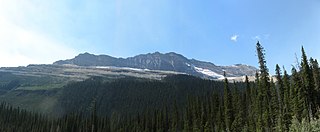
(307, 86)
(228, 109)
(264, 88)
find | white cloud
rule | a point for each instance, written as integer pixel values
(234, 38)
(260, 37)
(20, 45)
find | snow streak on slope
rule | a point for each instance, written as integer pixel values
(208, 72)
(124, 68)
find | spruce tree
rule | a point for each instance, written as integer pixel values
(299, 98)
(258, 111)
(286, 109)
(175, 118)
(239, 108)
(316, 78)
(307, 86)
(275, 111)
(228, 110)
(247, 101)
(280, 85)
(264, 88)
(221, 125)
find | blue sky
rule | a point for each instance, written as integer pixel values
(220, 31)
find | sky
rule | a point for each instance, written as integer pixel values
(223, 32)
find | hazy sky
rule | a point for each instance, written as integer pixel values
(220, 31)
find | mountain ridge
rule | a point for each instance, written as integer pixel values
(170, 61)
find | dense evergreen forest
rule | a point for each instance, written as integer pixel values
(280, 103)
(130, 96)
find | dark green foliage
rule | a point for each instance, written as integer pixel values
(275, 106)
(287, 116)
(228, 110)
(316, 77)
(132, 95)
(308, 86)
(264, 92)
(280, 84)
(298, 99)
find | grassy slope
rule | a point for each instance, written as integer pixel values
(34, 93)
(38, 101)
(42, 87)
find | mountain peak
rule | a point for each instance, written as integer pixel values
(174, 54)
(85, 54)
(170, 61)
(157, 52)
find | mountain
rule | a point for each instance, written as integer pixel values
(120, 83)
(166, 62)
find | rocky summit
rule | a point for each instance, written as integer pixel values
(165, 62)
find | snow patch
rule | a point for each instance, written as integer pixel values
(102, 67)
(208, 72)
(124, 68)
(234, 66)
(188, 64)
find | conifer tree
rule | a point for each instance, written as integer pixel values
(299, 97)
(228, 110)
(258, 111)
(264, 73)
(239, 122)
(307, 85)
(316, 78)
(235, 98)
(286, 108)
(280, 85)
(275, 111)
(264, 88)
(249, 97)
(221, 125)
(247, 100)
(175, 118)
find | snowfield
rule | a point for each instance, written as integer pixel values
(208, 72)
